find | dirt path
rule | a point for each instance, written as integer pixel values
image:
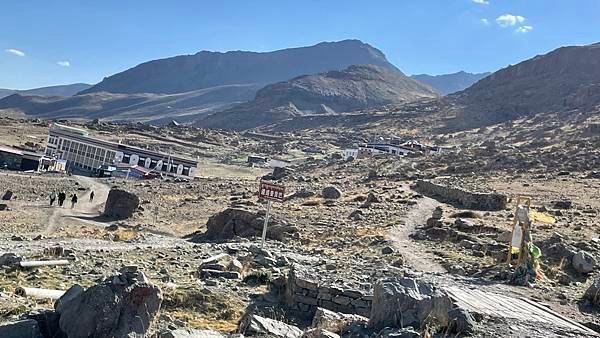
(415, 253)
(84, 208)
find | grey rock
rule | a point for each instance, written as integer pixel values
(583, 262)
(407, 302)
(407, 332)
(335, 322)
(331, 192)
(319, 333)
(8, 195)
(191, 334)
(254, 325)
(461, 321)
(21, 329)
(592, 294)
(10, 260)
(121, 204)
(124, 305)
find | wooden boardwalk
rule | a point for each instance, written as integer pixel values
(501, 306)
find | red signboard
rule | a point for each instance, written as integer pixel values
(271, 192)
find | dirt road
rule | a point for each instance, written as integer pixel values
(84, 208)
(414, 253)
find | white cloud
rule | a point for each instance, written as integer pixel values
(524, 29)
(14, 52)
(481, 2)
(507, 20)
(63, 63)
(485, 22)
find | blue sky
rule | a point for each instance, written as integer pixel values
(65, 41)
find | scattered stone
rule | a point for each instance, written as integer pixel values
(319, 333)
(4, 207)
(180, 333)
(10, 260)
(21, 329)
(121, 204)
(254, 325)
(461, 321)
(8, 195)
(592, 294)
(563, 204)
(334, 321)
(583, 262)
(407, 332)
(387, 250)
(331, 192)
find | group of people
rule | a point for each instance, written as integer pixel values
(62, 196)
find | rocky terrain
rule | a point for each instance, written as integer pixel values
(562, 80)
(450, 83)
(354, 88)
(351, 236)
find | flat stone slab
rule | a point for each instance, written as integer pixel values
(522, 309)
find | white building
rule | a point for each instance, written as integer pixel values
(87, 153)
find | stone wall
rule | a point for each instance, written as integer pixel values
(461, 198)
(305, 293)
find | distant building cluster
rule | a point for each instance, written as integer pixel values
(88, 154)
(392, 148)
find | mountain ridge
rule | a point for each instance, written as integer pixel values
(57, 90)
(450, 83)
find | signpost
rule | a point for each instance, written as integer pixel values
(270, 192)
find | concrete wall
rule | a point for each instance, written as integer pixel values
(461, 198)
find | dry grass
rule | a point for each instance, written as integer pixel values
(313, 202)
(214, 310)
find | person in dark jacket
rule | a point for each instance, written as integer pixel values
(91, 197)
(73, 201)
(62, 196)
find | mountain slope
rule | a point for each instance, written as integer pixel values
(209, 69)
(132, 107)
(450, 83)
(60, 90)
(564, 79)
(357, 87)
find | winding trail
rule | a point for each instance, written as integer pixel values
(415, 253)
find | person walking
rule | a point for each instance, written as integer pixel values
(91, 196)
(73, 201)
(62, 196)
(52, 198)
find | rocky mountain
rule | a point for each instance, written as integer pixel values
(565, 79)
(354, 88)
(198, 84)
(60, 90)
(209, 69)
(141, 107)
(450, 83)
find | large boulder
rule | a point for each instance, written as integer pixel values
(331, 192)
(239, 222)
(121, 204)
(254, 325)
(407, 302)
(22, 329)
(123, 305)
(334, 321)
(583, 262)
